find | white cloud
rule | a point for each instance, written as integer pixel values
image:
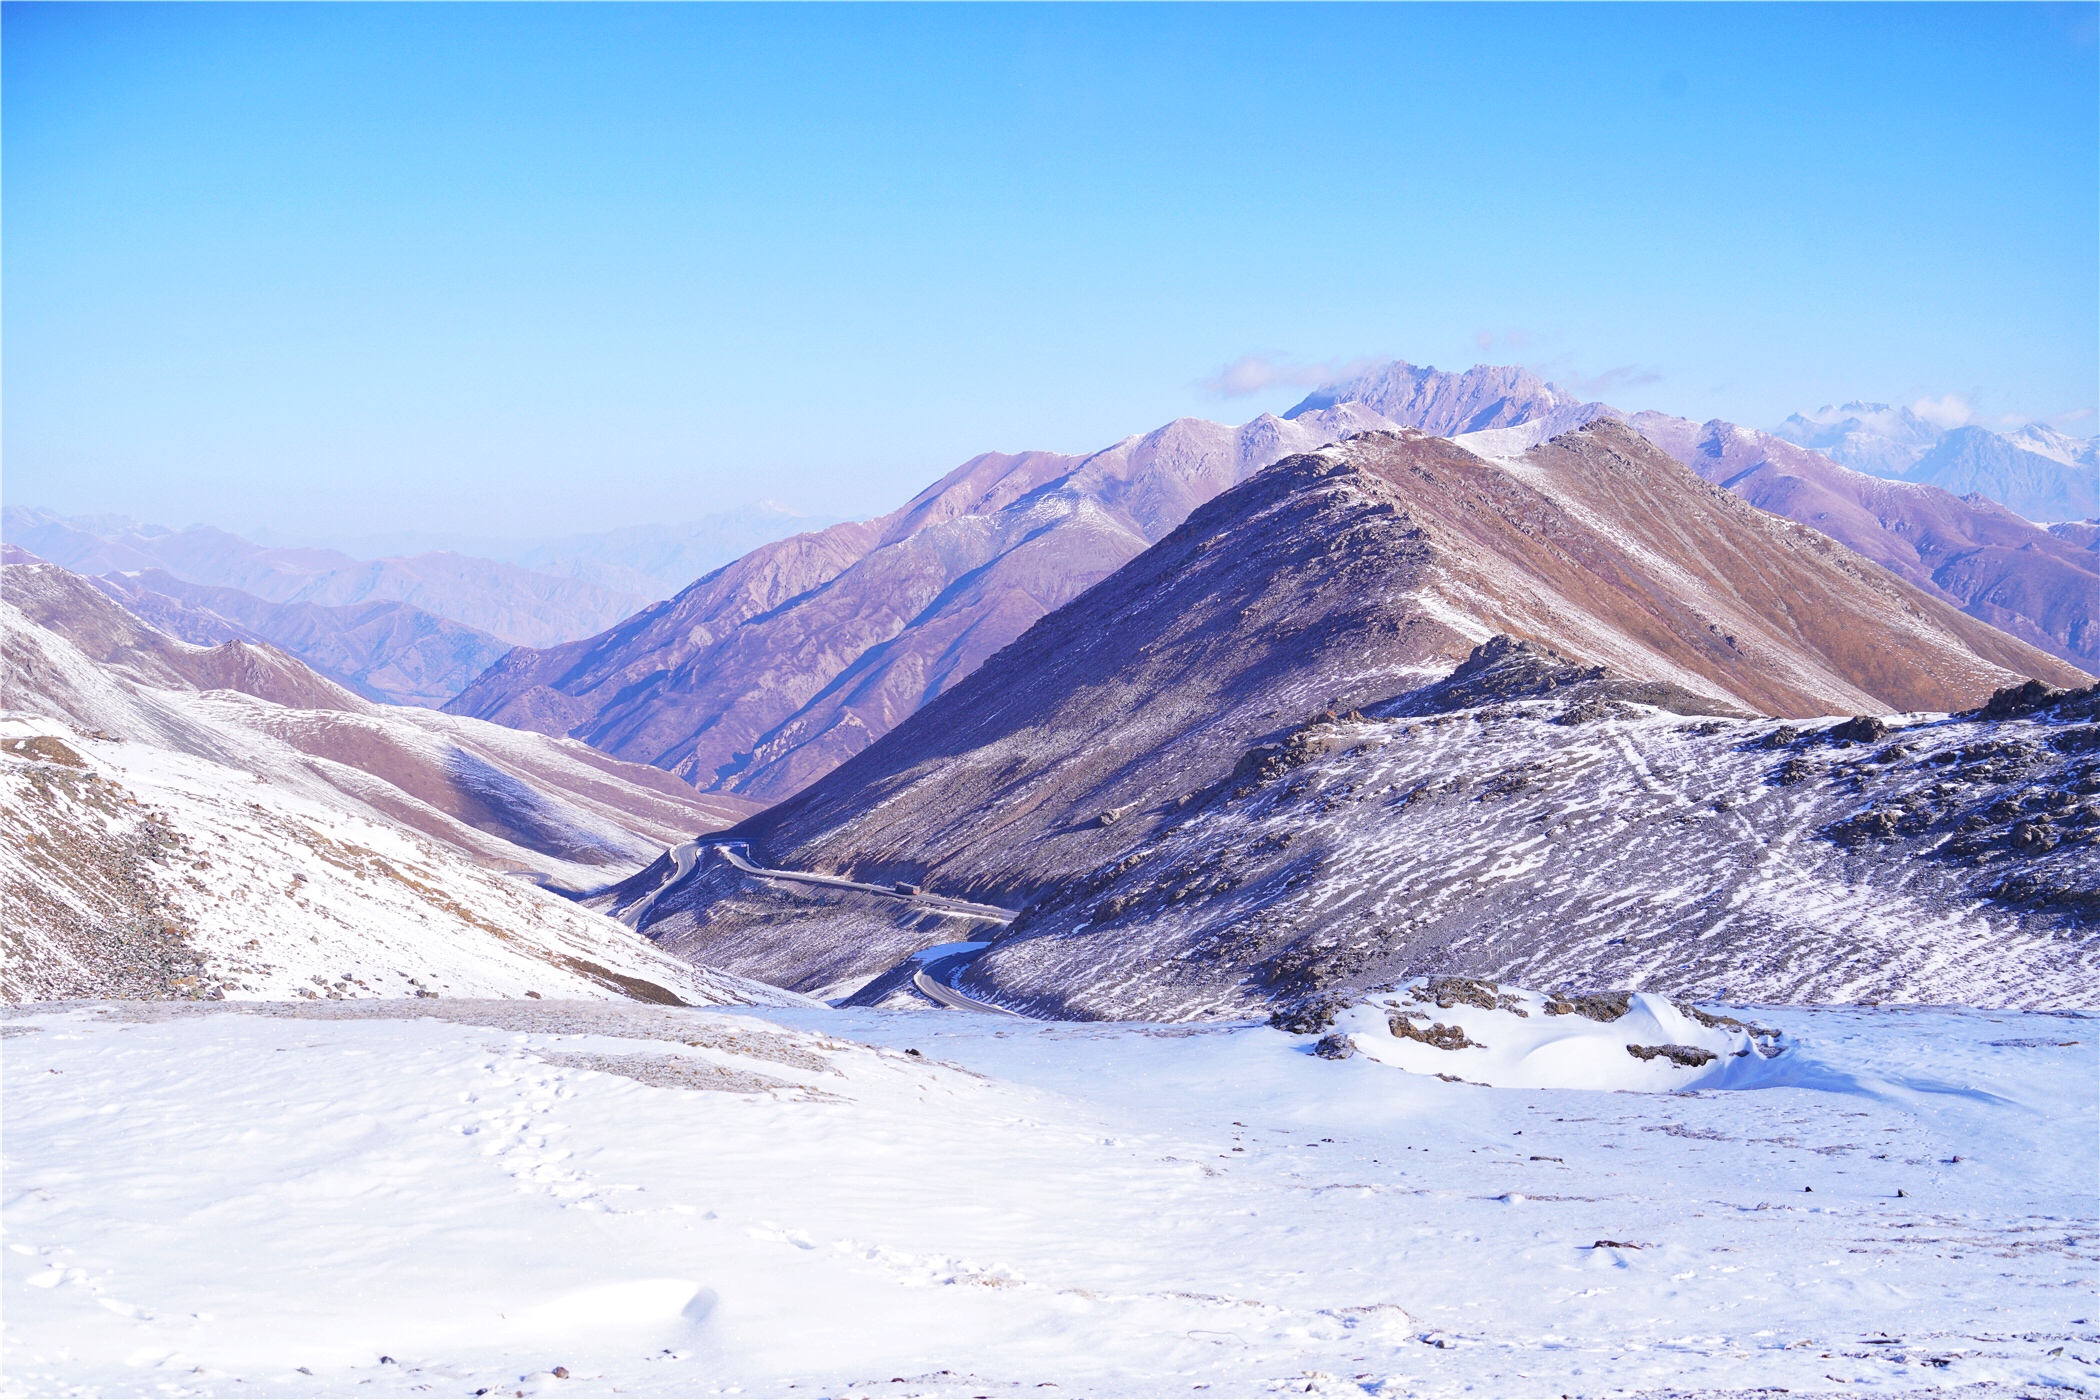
(1250, 374)
(1946, 411)
(1608, 381)
(1515, 338)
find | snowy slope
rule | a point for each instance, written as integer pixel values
(130, 869)
(556, 1200)
(504, 797)
(1565, 837)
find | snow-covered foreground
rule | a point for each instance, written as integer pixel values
(450, 1197)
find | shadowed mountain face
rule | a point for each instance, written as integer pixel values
(385, 651)
(1330, 582)
(494, 794)
(771, 671)
(2038, 585)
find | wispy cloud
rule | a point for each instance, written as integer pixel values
(1516, 338)
(1946, 411)
(1250, 374)
(1608, 381)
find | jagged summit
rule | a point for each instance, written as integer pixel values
(1446, 404)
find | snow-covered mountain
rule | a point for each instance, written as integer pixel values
(1975, 461)
(2045, 441)
(1128, 773)
(2038, 472)
(186, 821)
(1876, 438)
(1448, 404)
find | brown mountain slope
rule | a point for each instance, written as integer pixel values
(767, 673)
(499, 795)
(1333, 580)
(2035, 584)
(1968, 550)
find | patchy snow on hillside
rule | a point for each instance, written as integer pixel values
(1475, 1032)
(139, 871)
(394, 1198)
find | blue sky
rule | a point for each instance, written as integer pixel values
(514, 270)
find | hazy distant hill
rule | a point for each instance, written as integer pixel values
(2038, 472)
(1975, 460)
(515, 604)
(382, 650)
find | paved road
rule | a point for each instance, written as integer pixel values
(682, 858)
(734, 853)
(929, 981)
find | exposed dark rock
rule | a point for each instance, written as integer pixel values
(1310, 1014)
(1860, 729)
(1598, 1006)
(1438, 1034)
(1335, 1047)
(1689, 1056)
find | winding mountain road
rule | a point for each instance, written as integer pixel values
(682, 860)
(733, 852)
(929, 978)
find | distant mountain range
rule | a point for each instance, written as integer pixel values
(653, 560)
(768, 668)
(2037, 472)
(408, 630)
(513, 604)
(1212, 720)
(762, 677)
(768, 673)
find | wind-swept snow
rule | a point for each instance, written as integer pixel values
(589, 1200)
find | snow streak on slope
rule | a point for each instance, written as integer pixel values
(1589, 841)
(503, 796)
(584, 1201)
(132, 870)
